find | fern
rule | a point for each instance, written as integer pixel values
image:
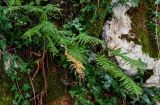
(76, 64)
(78, 52)
(41, 11)
(52, 8)
(83, 38)
(51, 46)
(137, 64)
(126, 82)
(32, 32)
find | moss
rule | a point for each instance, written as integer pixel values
(95, 18)
(55, 87)
(98, 23)
(5, 96)
(139, 17)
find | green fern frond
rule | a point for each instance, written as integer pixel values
(137, 64)
(83, 38)
(51, 46)
(78, 52)
(48, 30)
(12, 9)
(126, 82)
(14, 2)
(33, 9)
(33, 31)
(41, 11)
(52, 8)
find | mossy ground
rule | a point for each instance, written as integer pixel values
(5, 96)
(57, 92)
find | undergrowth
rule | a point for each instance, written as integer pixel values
(32, 30)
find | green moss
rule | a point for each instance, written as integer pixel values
(95, 17)
(139, 17)
(5, 96)
(55, 87)
(5, 100)
(97, 25)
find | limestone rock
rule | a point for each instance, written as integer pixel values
(119, 25)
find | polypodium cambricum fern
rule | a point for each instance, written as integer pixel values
(76, 64)
(125, 81)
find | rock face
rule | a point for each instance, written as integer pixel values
(120, 25)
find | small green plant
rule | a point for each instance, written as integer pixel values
(14, 68)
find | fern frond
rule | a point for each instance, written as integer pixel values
(45, 27)
(76, 64)
(126, 82)
(12, 9)
(83, 38)
(33, 31)
(14, 2)
(52, 8)
(33, 9)
(51, 46)
(49, 28)
(41, 11)
(78, 52)
(135, 63)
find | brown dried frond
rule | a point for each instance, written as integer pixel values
(76, 64)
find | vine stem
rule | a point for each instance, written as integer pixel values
(33, 89)
(17, 85)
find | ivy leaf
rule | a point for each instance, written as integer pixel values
(3, 44)
(13, 88)
(26, 87)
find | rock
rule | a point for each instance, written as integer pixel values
(121, 24)
(156, 68)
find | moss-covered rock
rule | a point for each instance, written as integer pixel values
(94, 15)
(139, 17)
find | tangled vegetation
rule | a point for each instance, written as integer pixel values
(36, 36)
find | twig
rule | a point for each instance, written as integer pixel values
(33, 89)
(41, 93)
(36, 70)
(5, 2)
(98, 2)
(16, 83)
